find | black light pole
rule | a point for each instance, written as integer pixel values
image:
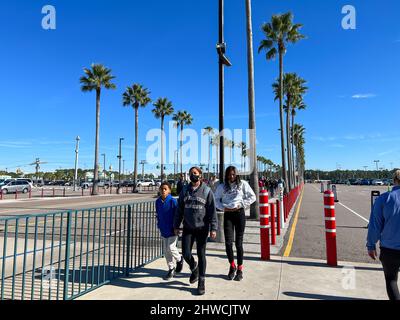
(223, 61)
(119, 165)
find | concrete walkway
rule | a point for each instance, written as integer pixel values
(278, 279)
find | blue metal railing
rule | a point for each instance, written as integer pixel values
(64, 255)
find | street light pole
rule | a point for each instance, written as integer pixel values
(143, 162)
(119, 164)
(76, 161)
(223, 60)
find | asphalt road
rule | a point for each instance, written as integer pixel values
(39, 205)
(352, 215)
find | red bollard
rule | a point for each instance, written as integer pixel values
(1, 194)
(264, 225)
(278, 217)
(110, 189)
(42, 193)
(64, 193)
(273, 230)
(16, 194)
(330, 228)
(54, 192)
(82, 192)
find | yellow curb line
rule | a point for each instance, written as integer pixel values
(293, 230)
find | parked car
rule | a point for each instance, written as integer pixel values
(364, 182)
(388, 182)
(86, 184)
(16, 186)
(377, 182)
(146, 183)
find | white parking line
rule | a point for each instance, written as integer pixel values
(352, 211)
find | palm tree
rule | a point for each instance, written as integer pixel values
(182, 118)
(95, 78)
(209, 132)
(163, 107)
(215, 142)
(136, 96)
(298, 140)
(293, 90)
(278, 33)
(254, 213)
(298, 104)
(243, 147)
(227, 144)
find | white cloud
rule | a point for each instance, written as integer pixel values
(364, 96)
(337, 145)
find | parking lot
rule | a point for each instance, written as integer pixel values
(352, 216)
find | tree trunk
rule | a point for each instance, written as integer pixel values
(96, 145)
(284, 172)
(209, 156)
(293, 154)
(289, 158)
(180, 144)
(162, 148)
(136, 143)
(252, 119)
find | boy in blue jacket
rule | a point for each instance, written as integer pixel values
(165, 208)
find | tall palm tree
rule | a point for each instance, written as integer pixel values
(94, 79)
(232, 146)
(293, 90)
(163, 107)
(136, 96)
(215, 142)
(298, 104)
(182, 118)
(228, 144)
(209, 132)
(298, 140)
(243, 147)
(278, 33)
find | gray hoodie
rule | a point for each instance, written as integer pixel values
(196, 208)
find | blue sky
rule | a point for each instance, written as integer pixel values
(169, 47)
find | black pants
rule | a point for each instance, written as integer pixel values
(234, 224)
(391, 263)
(188, 239)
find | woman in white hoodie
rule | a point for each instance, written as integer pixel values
(233, 197)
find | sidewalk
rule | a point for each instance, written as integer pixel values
(278, 279)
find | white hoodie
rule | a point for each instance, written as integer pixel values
(241, 196)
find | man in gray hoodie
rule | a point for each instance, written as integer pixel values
(196, 209)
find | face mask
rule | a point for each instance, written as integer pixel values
(194, 178)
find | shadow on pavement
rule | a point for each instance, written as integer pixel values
(318, 296)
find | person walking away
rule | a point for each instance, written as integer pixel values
(196, 211)
(179, 185)
(165, 207)
(384, 226)
(233, 197)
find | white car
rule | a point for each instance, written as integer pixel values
(146, 183)
(377, 182)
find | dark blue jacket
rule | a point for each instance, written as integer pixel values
(165, 215)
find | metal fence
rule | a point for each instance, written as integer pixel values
(64, 255)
